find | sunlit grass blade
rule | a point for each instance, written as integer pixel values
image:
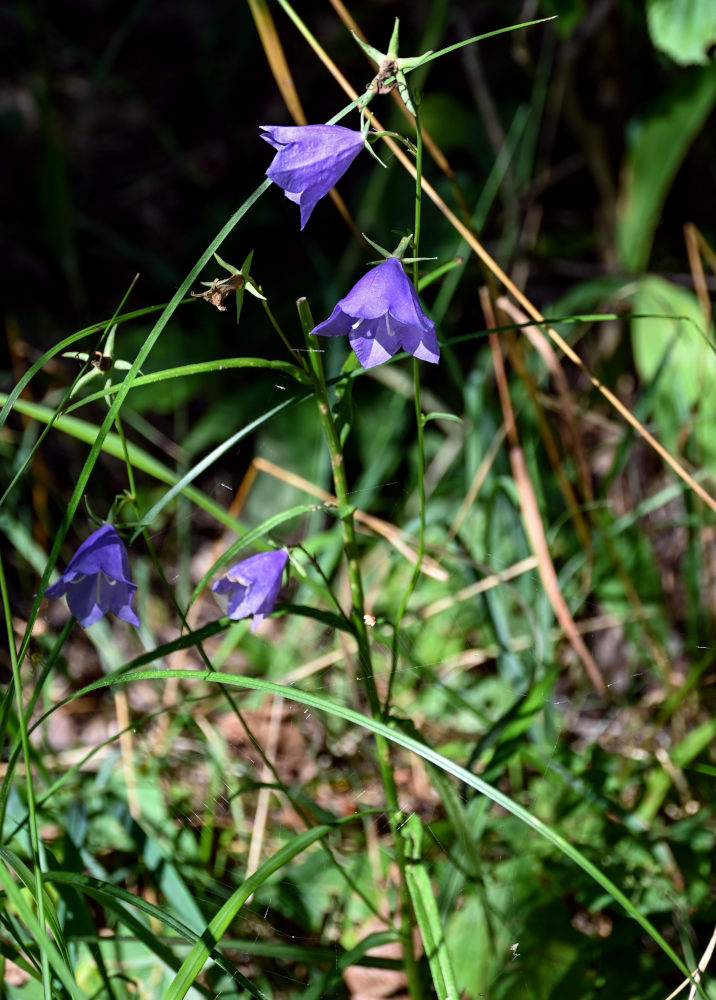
(425, 905)
(59, 347)
(217, 927)
(321, 703)
(196, 470)
(84, 430)
(43, 944)
(116, 899)
(17, 865)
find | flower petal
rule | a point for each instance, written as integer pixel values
(373, 343)
(103, 550)
(372, 295)
(381, 314)
(117, 596)
(386, 288)
(82, 600)
(310, 159)
(338, 324)
(97, 579)
(422, 344)
(253, 585)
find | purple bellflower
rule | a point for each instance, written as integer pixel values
(97, 579)
(253, 585)
(381, 314)
(310, 160)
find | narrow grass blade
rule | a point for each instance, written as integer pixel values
(17, 865)
(323, 704)
(200, 952)
(114, 898)
(44, 944)
(426, 911)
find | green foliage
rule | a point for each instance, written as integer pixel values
(684, 29)
(657, 144)
(676, 362)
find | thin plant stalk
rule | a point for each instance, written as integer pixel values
(130, 472)
(274, 323)
(38, 686)
(419, 423)
(340, 483)
(119, 398)
(37, 854)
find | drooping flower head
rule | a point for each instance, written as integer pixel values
(310, 160)
(381, 314)
(97, 579)
(253, 585)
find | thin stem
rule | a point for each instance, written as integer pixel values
(37, 854)
(420, 427)
(340, 483)
(125, 386)
(274, 323)
(329, 590)
(130, 472)
(418, 190)
(406, 904)
(342, 494)
(29, 708)
(420, 445)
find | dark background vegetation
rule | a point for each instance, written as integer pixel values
(130, 133)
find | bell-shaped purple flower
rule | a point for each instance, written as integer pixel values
(310, 160)
(97, 579)
(381, 314)
(253, 585)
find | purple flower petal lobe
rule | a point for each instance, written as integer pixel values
(310, 159)
(381, 315)
(253, 585)
(98, 580)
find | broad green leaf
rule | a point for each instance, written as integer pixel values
(670, 347)
(656, 148)
(684, 29)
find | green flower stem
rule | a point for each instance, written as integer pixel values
(420, 424)
(420, 445)
(418, 192)
(406, 899)
(341, 487)
(37, 852)
(130, 472)
(274, 323)
(122, 391)
(357, 610)
(14, 753)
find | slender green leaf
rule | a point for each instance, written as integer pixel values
(426, 911)
(200, 952)
(321, 703)
(43, 942)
